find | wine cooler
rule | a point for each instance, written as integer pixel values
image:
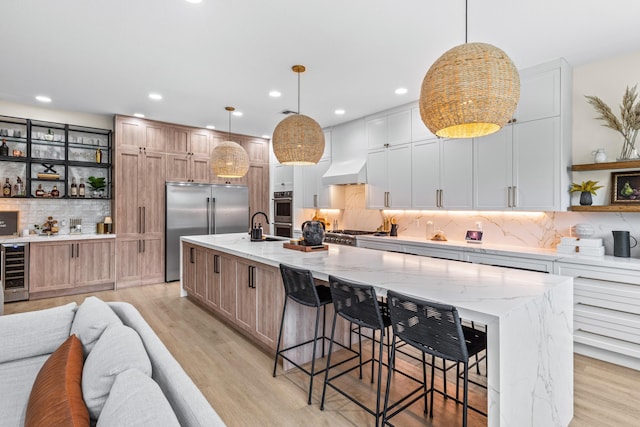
(14, 271)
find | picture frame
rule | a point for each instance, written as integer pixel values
(625, 187)
(473, 236)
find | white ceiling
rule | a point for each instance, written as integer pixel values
(106, 56)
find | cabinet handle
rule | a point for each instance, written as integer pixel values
(139, 219)
(139, 247)
(144, 219)
(315, 200)
(77, 250)
(249, 270)
(515, 196)
(216, 264)
(72, 250)
(509, 196)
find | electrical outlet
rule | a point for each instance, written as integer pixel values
(478, 225)
(63, 222)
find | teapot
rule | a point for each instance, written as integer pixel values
(313, 232)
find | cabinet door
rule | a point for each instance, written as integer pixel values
(128, 195)
(178, 167)
(419, 131)
(493, 170)
(376, 178)
(228, 281)
(269, 295)
(152, 260)
(94, 262)
(177, 140)
(246, 295)
(324, 191)
(199, 143)
(153, 193)
(399, 176)
(539, 95)
(283, 177)
(257, 149)
(155, 137)
(199, 169)
(310, 182)
(189, 268)
(50, 266)
(200, 289)
(425, 174)
(399, 128)
(456, 174)
(212, 294)
(536, 146)
(129, 133)
(258, 178)
(128, 261)
(377, 132)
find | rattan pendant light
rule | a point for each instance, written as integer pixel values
(229, 159)
(298, 139)
(471, 90)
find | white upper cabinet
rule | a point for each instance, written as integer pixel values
(327, 145)
(540, 94)
(282, 177)
(399, 128)
(377, 132)
(389, 178)
(317, 195)
(442, 174)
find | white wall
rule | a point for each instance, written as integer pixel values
(101, 121)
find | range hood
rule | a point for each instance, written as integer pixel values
(342, 172)
(348, 155)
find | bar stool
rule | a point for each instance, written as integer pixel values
(358, 304)
(433, 329)
(300, 286)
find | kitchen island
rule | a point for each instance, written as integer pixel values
(528, 315)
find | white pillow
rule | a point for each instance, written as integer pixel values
(118, 349)
(136, 401)
(92, 318)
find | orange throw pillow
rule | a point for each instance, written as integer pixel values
(56, 395)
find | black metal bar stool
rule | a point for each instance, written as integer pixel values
(433, 329)
(358, 304)
(300, 286)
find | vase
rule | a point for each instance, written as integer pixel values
(585, 198)
(599, 156)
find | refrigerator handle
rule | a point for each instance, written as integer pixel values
(208, 215)
(213, 215)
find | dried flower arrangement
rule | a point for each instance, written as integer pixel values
(628, 124)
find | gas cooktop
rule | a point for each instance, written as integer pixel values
(351, 232)
(344, 237)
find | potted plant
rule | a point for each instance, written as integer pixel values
(586, 189)
(96, 185)
(628, 124)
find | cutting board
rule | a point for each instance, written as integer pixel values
(303, 248)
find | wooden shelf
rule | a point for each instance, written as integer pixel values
(606, 208)
(628, 164)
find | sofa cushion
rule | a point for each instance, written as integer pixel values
(56, 395)
(92, 318)
(118, 349)
(35, 333)
(136, 400)
(16, 379)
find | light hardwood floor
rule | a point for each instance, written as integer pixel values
(235, 376)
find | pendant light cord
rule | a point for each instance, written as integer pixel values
(466, 20)
(298, 92)
(229, 132)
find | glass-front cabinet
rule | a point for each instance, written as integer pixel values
(53, 160)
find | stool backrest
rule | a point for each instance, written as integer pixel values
(299, 285)
(434, 327)
(356, 303)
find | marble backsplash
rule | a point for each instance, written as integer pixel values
(36, 211)
(530, 229)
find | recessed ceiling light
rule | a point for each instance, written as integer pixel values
(401, 91)
(140, 115)
(237, 113)
(194, 1)
(340, 111)
(43, 98)
(155, 96)
(275, 94)
(266, 136)
(211, 127)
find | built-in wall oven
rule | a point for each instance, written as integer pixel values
(283, 213)
(14, 271)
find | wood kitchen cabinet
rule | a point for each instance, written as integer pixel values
(188, 155)
(442, 174)
(70, 267)
(139, 134)
(194, 270)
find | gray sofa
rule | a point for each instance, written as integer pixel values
(28, 339)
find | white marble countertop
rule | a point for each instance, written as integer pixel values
(513, 251)
(33, 238)
(473, 288)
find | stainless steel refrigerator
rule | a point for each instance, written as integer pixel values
(196, 209)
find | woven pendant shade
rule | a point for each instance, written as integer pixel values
(298, 140)
(229, 160)
(472, 90)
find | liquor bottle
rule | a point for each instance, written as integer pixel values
(74, 188)
(19, 187)
(6, 190)
(39, 191)
(4, 148)
(81, 189)
(98, 156)
(55, 192)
